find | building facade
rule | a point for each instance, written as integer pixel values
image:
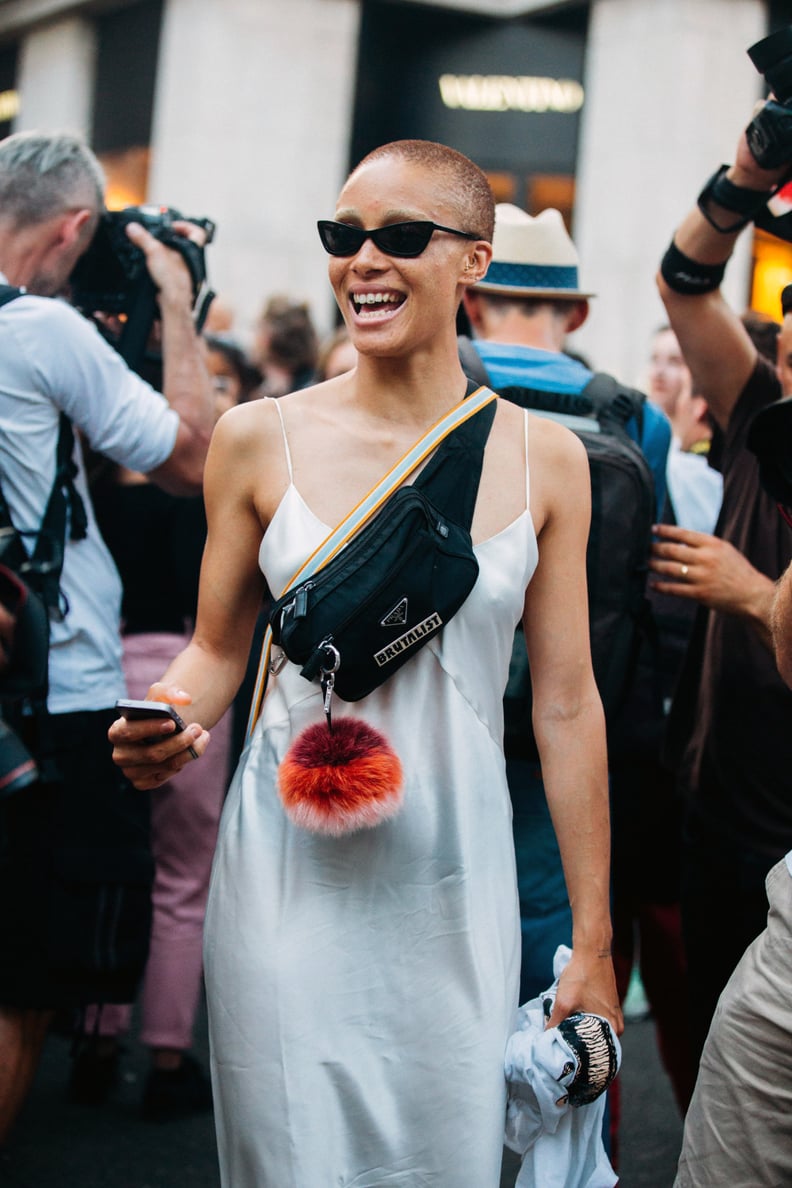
(252, 111)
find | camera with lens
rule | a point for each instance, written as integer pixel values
(769, 133)
(111, 278)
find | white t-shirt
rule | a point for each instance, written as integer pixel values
(696, 490)
(52, 360)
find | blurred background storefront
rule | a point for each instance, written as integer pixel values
(252, 112)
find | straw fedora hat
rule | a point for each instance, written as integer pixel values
(532, 256)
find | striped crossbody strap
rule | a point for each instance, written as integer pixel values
(362, 513)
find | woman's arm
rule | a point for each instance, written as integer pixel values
(568, 720)
(207, 674)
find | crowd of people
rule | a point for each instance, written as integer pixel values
(362, 986)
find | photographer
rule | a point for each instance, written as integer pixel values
(731, 714)
(75, 867)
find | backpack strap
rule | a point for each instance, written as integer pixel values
(42, 568)
(568, 404)
(611, 403)
(65, 506)
(614, 404)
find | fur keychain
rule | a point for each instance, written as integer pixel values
(339, 777)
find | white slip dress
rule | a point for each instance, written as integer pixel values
(361, 989)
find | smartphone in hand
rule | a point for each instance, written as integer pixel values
(135, 710)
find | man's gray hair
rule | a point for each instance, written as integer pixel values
(43, 174)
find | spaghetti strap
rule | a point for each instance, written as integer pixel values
(527, 469)
(286, 449)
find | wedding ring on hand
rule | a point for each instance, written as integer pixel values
(684, 570)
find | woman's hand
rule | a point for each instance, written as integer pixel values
(588, 984)
(150, 751)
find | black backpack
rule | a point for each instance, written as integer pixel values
(622, 515)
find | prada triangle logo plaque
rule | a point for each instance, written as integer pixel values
(396, 617)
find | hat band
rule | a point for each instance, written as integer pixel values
(532, 276)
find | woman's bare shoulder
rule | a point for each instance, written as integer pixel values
(553, 443)
(247, 458)
(549, 442)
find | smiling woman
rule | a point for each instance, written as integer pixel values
(362, 987)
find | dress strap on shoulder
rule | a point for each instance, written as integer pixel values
(527, 468)
(286, 449)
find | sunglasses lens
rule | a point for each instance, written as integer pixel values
(339, 239)
(397, 239)
(404, 239)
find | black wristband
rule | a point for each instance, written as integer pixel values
(687, 276)
(744, 202)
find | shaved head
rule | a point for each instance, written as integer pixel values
(468, 189)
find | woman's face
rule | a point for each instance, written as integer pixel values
(393, 306)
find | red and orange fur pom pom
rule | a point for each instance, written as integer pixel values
(341, 780)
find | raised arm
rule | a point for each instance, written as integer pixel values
(715, 344)
(568, 720)
(185, 380)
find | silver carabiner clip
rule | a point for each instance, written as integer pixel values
(328, 672)
(334, 658)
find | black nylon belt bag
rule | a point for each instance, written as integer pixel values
(397, 582)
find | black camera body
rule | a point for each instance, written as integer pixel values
(111, 276)
(108, 275)
(769, 133)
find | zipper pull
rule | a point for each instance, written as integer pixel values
(301, 601)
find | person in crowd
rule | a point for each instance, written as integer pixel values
(286, 346)
(695, 489)
(729, 732)
(667, 373)
(75, 868)
(763, 332)
(737, 1127)
(337, 354)
(361, 988)
(524, 311)
(234, 378)
(521, 315)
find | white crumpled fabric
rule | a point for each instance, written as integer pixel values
(561, 1145)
